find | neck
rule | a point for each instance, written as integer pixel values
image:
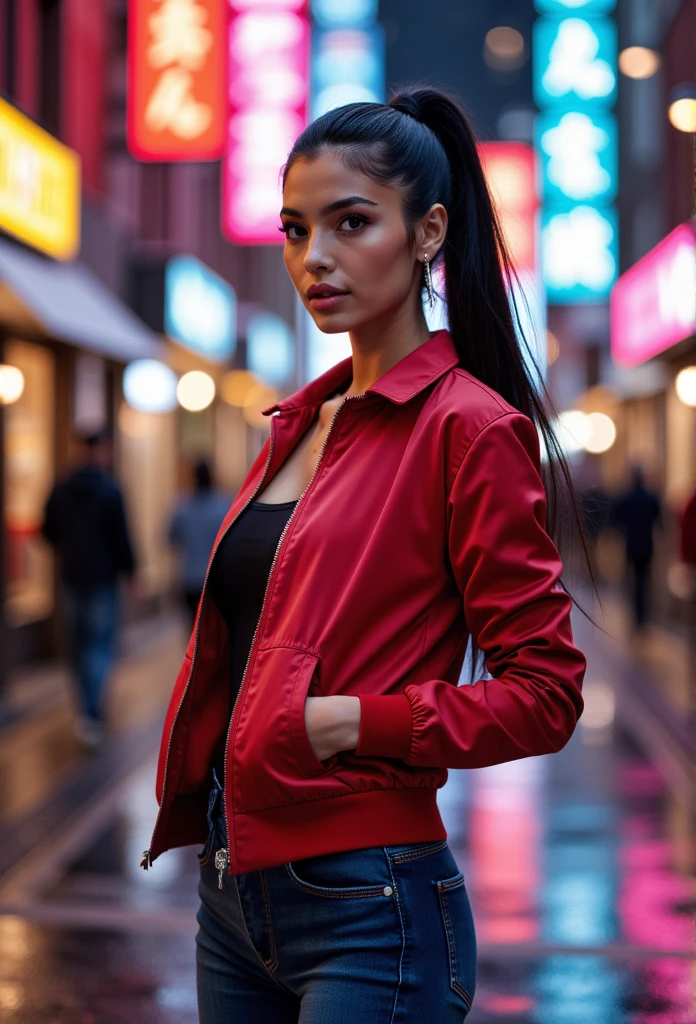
(383, 343)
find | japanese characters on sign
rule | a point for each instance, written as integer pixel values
(176, 79)
(575, 77)
(268, 45)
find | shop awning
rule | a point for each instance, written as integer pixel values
(67, 302)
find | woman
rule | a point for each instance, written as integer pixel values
(396, 509)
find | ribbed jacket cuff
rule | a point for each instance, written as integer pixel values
(386, 723)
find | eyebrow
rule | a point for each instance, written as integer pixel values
(339, 204)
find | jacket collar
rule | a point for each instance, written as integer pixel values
(403, 381)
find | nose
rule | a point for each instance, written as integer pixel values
(316, 256)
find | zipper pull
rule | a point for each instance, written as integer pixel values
(146, 862)
(221, 861)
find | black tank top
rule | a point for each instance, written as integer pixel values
(237, 584)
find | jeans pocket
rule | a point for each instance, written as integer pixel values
(356, 874)
(460, 937)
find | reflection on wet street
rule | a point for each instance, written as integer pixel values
(578, 867)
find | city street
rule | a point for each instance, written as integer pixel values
(332, 326)
(577, 864)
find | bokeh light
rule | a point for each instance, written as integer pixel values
(259, 398)
(150, 386)
(573, 429)
(196, 391)
(553, 349)
(639, 62)
(602, 433)
(235, 387)
(682, 114)
(685, 385)
(600, 705)
(504, 48)
(11, 384)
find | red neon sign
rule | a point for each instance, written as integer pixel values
(268, 51)
(510, 171)
(176, 79)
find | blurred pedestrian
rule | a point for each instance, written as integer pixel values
(192, 531)
(688, 533)
(636, 513)
(396, 510)
(85, 522)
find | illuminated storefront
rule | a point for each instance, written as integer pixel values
(64, 339)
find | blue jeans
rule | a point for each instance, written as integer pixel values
(380, 935)
(92, 621)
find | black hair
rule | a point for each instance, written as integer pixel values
(422, 142)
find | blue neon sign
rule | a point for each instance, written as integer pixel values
(574, 62)
(344, 13)
(200, 308)
(347, 67)
(579, 253)
(270, 349)
(582, 7)
(579, 156)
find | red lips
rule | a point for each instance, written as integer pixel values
(316, 291)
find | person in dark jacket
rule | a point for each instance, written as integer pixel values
(85, 522)
(687, 524)
(636, 513)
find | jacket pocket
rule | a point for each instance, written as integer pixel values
(272, 756)
(308, 762)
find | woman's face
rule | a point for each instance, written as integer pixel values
(346, 245)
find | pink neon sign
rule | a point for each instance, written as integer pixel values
(653, 305)
(268, 64)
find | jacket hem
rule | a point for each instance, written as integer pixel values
(270, 838)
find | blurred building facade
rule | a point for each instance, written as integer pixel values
(63, 66)
(654, 301)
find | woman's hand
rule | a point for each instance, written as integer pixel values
(332, 724)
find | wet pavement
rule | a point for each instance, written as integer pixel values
(579, 867)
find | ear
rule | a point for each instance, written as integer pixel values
(431, 231)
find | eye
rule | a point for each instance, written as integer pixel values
(352, 223)
(291, 231)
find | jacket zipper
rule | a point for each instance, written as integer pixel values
(146, 862)
(224, 855)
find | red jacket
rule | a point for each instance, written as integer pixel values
(423, 521)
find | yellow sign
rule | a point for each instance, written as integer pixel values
(39, 186)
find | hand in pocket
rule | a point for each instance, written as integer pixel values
(332, 724)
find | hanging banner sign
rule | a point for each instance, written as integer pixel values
(176, 79)
(268, 45)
